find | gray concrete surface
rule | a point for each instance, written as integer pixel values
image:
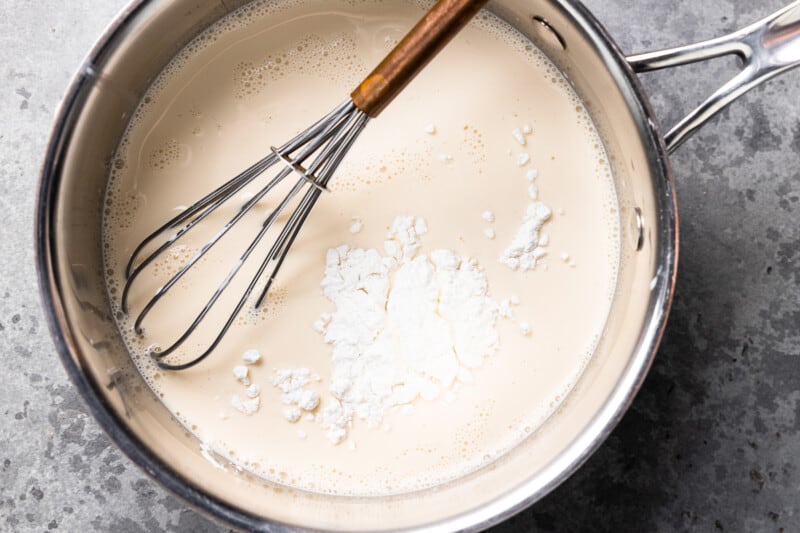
(712, 443)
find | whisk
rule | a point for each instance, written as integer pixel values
(324, 144)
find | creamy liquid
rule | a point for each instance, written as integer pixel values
(257, 78)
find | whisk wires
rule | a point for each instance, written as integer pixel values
(325, 144)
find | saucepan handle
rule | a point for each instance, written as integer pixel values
(767, 48)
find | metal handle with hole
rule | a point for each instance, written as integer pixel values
(767, 48)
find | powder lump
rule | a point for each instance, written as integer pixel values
(406, 326)
(292, 383)
(525, 250)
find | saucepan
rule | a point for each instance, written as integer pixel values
(91, 121)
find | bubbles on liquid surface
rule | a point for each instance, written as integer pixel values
(333, 58)
(165, 155)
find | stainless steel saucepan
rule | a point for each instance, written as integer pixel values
(91, 121)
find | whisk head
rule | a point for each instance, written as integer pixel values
(323, 146)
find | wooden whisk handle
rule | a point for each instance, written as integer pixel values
(445, 19)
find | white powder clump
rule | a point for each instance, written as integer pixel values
(321, 323)
(532, 174)
(251, 357)
(241, 374)
(489, 233)
(488, 216)
(292, 414)
(405, 327)
(253, 391)
(356, 226)
(334, 419)
(208, 454)
(247, 407)
(420, 226)
(336, 435)
(504, 309)
(526, 129)
(522, 159)
(291, 383)
(525, 249)
(518, 136)
(308, 401)
(430, 129)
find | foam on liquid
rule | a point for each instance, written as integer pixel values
(254, 80)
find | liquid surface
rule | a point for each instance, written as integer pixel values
(256, 79)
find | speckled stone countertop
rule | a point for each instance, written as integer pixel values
(712, 442)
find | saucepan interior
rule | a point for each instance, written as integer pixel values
(94, 115)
